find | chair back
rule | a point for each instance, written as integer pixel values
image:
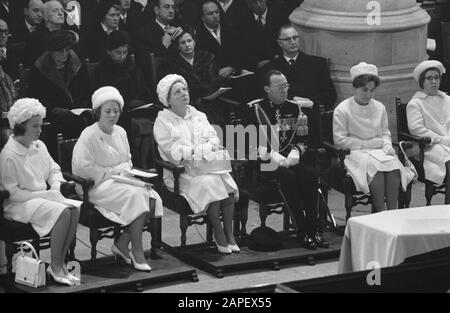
(24, 74)
(402, 121)
(90, 67)
(65, 152)
(326, 126)
(445, 29)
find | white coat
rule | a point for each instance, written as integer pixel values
(23, 172)
(98, 156)
(177, 138)
(429, 116)
(353, 126)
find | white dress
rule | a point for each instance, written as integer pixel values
(429, 116)
(23, 172)
(176, 137)
(355, 124)
(97, 156)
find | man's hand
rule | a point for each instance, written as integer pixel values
(226, 71)
(278, 159)
(262, 153)
(293, 157)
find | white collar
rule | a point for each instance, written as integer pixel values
(288, 58)
(264, 16)
(106, 30)
(225, 6)
(190, 61)
(422, 95)
(161, 24)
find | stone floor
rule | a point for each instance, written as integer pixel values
(236, 280)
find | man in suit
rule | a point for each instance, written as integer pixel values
(22, 28)
(260, 31)
(234, 12)
(219, 39)
(308, 76)
(8, 61)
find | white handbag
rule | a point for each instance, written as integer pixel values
(409, 167)
(30, 271)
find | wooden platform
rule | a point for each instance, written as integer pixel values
(107, 275)
(206, 257)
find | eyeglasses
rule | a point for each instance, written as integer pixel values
(289, 39)
(282, 87)
(431, 78)
(4, 31)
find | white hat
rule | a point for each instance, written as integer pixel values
(165, 85)
(105, 94)
(24, 109)
(426, 65)
(362, 69)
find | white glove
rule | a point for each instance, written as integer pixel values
(278, 159)
(388, 150)
(445, 140)
(262, 153)
(120, 169)
(293, 157)
(374, 143)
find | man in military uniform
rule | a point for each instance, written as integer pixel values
(285, 147)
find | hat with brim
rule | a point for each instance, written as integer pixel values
(425, 65)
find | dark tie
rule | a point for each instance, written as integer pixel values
(260, 21)
(291, 62)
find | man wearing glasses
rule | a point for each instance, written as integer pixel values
(308, 76)
(285, 131)
(8, 61)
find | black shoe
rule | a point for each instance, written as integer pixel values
(308, 242)
(320, 240)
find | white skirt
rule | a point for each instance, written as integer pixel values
(123, 203)
(46, 216)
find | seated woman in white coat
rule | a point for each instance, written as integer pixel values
(185, 136)
(101, 152)
(360, 124)
(428, 114)
(26, 168)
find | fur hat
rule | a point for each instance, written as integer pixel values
(24, 109)
(426, 65)
(105, 94)
(60, 39)
(164, 86)
(362, 69)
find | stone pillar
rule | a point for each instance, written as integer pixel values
(351, 31)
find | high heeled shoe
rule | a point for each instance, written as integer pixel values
(116, 252)
(234, 248)
(222, 249)
(144, 267)
(60, 280)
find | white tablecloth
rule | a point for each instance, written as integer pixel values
(391, 236)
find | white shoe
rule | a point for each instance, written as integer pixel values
(144, 267)
(115, 251)
(234, 248)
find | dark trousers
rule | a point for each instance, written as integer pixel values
(299, 184)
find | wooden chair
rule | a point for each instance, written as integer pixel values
(431, 189)
(24, 74)
(99, 226)
(445, 28)
(174, 201)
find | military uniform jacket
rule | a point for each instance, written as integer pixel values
(287, 120)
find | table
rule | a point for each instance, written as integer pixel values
(391, 236)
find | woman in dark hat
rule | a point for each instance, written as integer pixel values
(117, 69)
(60, 81)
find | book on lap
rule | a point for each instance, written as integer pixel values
(132, 181)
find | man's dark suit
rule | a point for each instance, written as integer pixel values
(309, 78)
(236, 15)
(259, 42)
(227, 53)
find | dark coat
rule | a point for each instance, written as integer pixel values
(19, 31)
(97, 43)
(11, 64)
(202, 77)
(237, 14)
(228, 52)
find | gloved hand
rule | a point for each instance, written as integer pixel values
(445, 140)
(374, 143)
(120, 169)
(262, 153)
(293, 157)
(388, 149)
(278, 159)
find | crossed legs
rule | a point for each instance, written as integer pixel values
(385, 185)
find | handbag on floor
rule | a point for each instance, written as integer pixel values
(30, 271)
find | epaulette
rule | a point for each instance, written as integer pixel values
(251, 104)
